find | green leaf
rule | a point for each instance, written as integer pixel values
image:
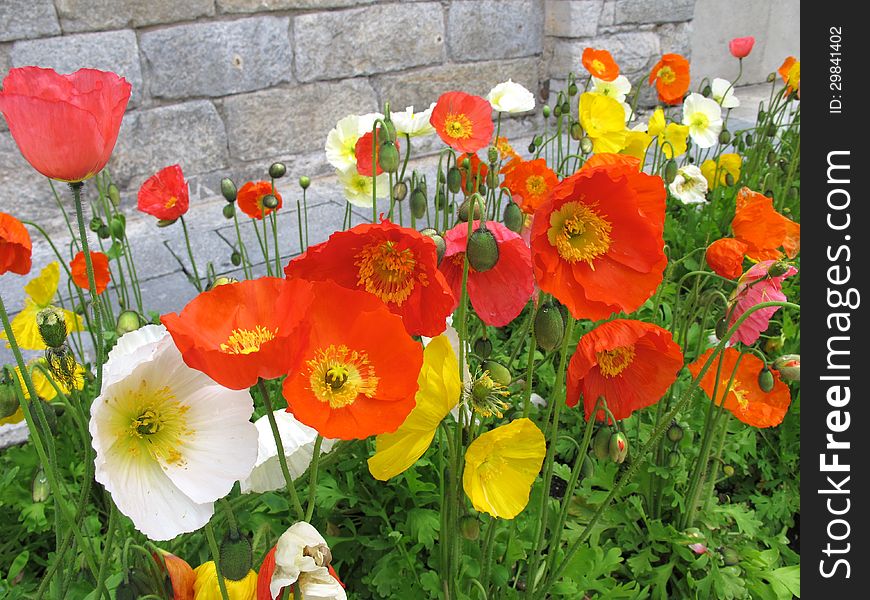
(424, 525)
(18, 564)
(788, 578)
(116, 251)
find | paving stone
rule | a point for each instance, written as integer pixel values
(255, 6)
(653, 11)
(94, 15)
(268, 122)
(20, 19)
(218, 58)
(363, 41)
(572, 18)
(494, 29)
(115, 51)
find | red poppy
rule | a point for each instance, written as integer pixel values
(744, 398)
(250, 199)
(15, 246)
(671, 76)
(476, 168)
(600, 159)
(359, 368)
(363, 153)
(181, 575)
(79, 269)
(396, 264)
(741, 47)
(600, 64)
(725, 257)
(764, 230)
(530, 183)
(463, 121)
(164, 195)
(631, 363)
(597, 242)
(240, 332)
(756, 286)
(65, 125)
(499, 294)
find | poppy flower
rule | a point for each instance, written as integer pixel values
(703, 117)
(240, 332)
(250, 199)
(754, 287)
(65, 125)
(505, 150)
(631, 363)
(636, 143)
(363, 153)
(600, 64)
(511, 97)
(722, 91)
(358, 188)
(464, 122)
(15, 246)
(413, 124)
(790, 71)
(603, 119)
(671, 78)
(206, 586)
(500, 467)
(741, 47)
(164, 195)
(499, 294)
(725, 257)
(39, 293)
(79, 268)
(689, 186)
(358, 374)
(181, 575)
(301, 557)
(744, 398)
(764, 230)
(530, 182)
(397, 264)
(597, 242)
(717, 172)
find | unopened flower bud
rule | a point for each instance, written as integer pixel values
(440, 198)
(729, 179)
(483, 347)
(673, 459)
(235, 556)
(482, 249)
(546, 111)
(576, 131)
(670, 170)
(557, 110)
(618, 447)
(440, 244)
(277, 170)
(587, 469)
(8, 400)
(532, 147)
(778, 268)
(566, 108)
(465, 209)
(539, 139)
(270, 201)
(165, 222)
(465, 163)
(492, 155)
(128, 321)
(236, 258)
(730, 557)
(728, 471)
(498, 372)
(585, 145)
(765, 379)
(771, 130)
(52, 326)
(470, 527)
(748, 140)
(222, 281)
(454, 180)
(228, 189)
(721, 328)
(675, 432)
(400, 191)
(95, 224)
(771, 77)
(114, 195)
(304, 182)
(388, 156)
(104, 232)
(229, 211)
(724, 137)
(118, 226)
(707, 91)
(513, 217)
(549, 327)
(789, 367)
(417, 202)
(601, 443)
(572, 89)
(39, 488)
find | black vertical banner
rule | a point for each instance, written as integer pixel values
(835, 413)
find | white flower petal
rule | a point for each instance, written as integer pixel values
(290, 562)
(617, 89)
(321, 585)
(511, 97)
(132, 349)
(413, 124)
(719, 88)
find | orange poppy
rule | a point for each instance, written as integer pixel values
(164, 195)
(476, 168)
(396, 264)
(363, 153)
(250, 199)
(240, 332)
(464, 122)
(505, 150)
(759, 226)
(15, 246)
(600, 64)
(671, 76)
(181, 575)
(530, 182)
(725, 257)
(359, 368)
(631, 363)
(79, 268)
(597, 242)
(609, 158)
(790, 71)
(744, 399)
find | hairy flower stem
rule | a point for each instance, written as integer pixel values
(76, 188)
(312, 482)
(216, 557)
(196, 281)
(282, 459)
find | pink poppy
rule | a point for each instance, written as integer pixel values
(754, 287)
(741, 47)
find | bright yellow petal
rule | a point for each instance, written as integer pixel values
(44, 287)
(603, 119)
(708, 170)
(15, 417)
(656, 122)
(636, 143)
(673, 139)
(205, 586)
(24, 328)
(74, 322)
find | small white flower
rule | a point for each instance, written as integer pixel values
(723, 93)
(617, 89)
(511, 97)
(367, 122)
(298, 441)
(704, 119)
(341, 143)
(302, 558)
(689, 186)
(169, 440)
(413, 124)
(358, 188)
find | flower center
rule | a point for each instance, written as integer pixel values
(700, 121)
(246, 341)
(667, 75)
(171, 202)
(337, 375)
(598, 66)
(536, 186)
(151, 424)
(457, 126)
(613, 362)
(491, 468)
(739, 393)
(486, 396)
(388, 272)
(579, 233)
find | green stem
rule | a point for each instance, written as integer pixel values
(107, 550)
(312, 482)
(196, 282)
(216, 557)
(76, 188)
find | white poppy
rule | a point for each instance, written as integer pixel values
(511, 97)
(298, 441)
(703, 116)
(723, 93)
(358, 188)
(341, 143)
(302, 558)
(169, 440)
(689, 186)
(413, 124)
(617, 89)
(366, 122)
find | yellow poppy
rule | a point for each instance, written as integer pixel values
(40, 293)
(206, 586)
(671, 136)
(500, 467)
(439, 390)
(636, 143)
(729, 164)
(603, 119)
(43, 386)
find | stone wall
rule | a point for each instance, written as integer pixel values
(228, 86)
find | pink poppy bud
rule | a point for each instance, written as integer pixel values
(741, 47)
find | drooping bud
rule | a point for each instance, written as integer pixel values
(270, 201)
(566, 108)
(465, 209)
(277, 170)
(483, 347)
(531, 147)
(165, 222)
(440, 244)
(114, 195)
(513, 217)
(778, 268)
(454, 180)
(618, 447)
(440, 198)
(585, 145)
(304, 182)
(95, 224)
(557, 110)
(771, 77)
(470, 527)
(104, 232)
(724, 137)
(498, 372)
(229, 211)
(417, 202)
(128, 321)
(539, 139)
(549, 327)
(670, 170)
(400, 191)
(601, 443)
(707, 91)
(39, 488)
(236, 258)
(587, 469)
(765, 379)
(730, 557)
(572, 89)
(388, 156)
(729, 179)
(228, 189)
(789, 367)
(8, 399)
(675, 432)
(721, 328)
(482, 249)
(235, 556)
(728, 471)
(673, 459)
(118, 226)
(52, 326)
(546, 111)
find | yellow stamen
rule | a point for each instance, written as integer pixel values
(579, 233)
(338, 375)
(597, 66)
(700, 121)
(457, 126)
(388, 272)
(246, 341)
(171, 202)
(738, 391)
(667, 75)
(536, 186)
(151, 423)
(613, 362)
